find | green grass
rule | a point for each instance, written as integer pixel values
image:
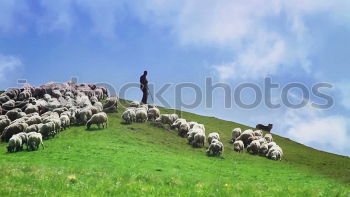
(143, 160)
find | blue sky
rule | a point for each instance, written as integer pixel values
(178, 41)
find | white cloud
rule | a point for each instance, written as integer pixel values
(313, 127)
(8, 63)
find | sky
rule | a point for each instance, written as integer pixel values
(230, 41)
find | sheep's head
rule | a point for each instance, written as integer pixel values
(270, 126)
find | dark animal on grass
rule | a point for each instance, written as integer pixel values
(264, 128)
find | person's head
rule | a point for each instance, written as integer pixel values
(145, 72)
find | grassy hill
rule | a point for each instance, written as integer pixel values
(143, 160)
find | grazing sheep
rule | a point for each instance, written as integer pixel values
(271, 144)
(141, 115)
(183, 129)
(199, 126)
(31, 109)
(99, 106)
(47, 97)
(199, 139)
(23, 137)
(236, 132)
(65, 121)
(263, 149)
(191, 134)
(111, 105)
(15, 144)
(268, 138)
(84, 115)
(150, 106)
(129, 116)
(56, 94)
(14, 114)
(34, 140)
(48, 130)
(252, 138)
(254, 147)
(134, 104)
(35, 119)
(99, 118)
(238, 146)
(33, 128)
(264, 128)
(177, 123)
(4, 123)
(166, 119)
(60, 110)
(212, 136)
(192, 124)
(258, 133)
(9, 105)
(13, 129)
(215, 148)
(24, 95)
(262, 141)
(4, 99)
(245, 136)
(153, 113)
(275, 153)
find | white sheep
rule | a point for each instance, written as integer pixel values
(13, 129)
(268, 138)
(275, 153)
(31, 109)
(199, 126)
(134, 104)
(153, 113)
(84, 115)
(212, 136)
(254, 147)
(99, 118)
(4, 123)
(65, 121)
(199, 139)
(177, 123)
(236, 132)
(192, 133)
(192, 123)
(129, 116)
(48, 129)
(264, 148)
(141, 115)
(216, 148)
(15, 144)
(238, 146)
(14, 114)
(183, 129)
(258, 133)
(34, 140)
(166, 119)
(245, 136)
(271, 144)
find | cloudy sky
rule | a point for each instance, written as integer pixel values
(234, 42)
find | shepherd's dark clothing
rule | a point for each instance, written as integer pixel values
(144, 88)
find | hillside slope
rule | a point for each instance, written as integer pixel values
(143, 160)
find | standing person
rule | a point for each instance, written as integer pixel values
(144, 87)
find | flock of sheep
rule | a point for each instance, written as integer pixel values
(253, 141)
(28, 115)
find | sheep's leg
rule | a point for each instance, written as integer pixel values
(42, 144)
